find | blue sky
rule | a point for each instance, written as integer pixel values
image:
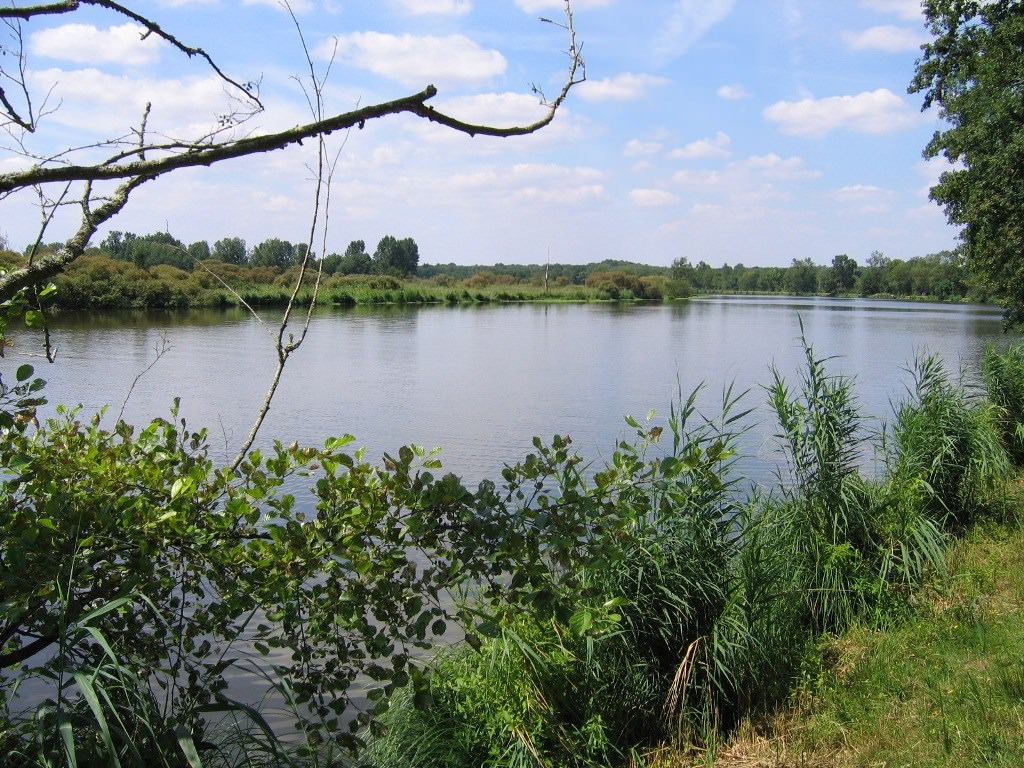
(719, 130)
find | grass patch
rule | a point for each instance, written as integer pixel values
(943, 689)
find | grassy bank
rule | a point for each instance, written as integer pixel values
(98, 282)
(945, 688)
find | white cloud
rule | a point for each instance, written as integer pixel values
(688, 23)
(652, 198)
(733, 92)
(579, 195)
(532, 6)
(546, 183)
(102, 103)
(907, 9)
(865, 198)
(637, 148)
(439, 7)
(771, 166)
(418, 60)
(874, 112)
(717, 146)
(885, 38)
(751, 182)
(625, 87)
(85, 44)
(861, 193)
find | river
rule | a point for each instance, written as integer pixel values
(480, 381)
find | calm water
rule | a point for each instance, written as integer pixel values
(481, 381)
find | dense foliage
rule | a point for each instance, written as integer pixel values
(971, 70)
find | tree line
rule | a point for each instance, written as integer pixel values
(399, 258)
(942, 276)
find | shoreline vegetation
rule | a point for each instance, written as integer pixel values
(163, 276)
(640, 612)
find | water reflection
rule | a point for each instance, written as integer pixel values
(480, 381)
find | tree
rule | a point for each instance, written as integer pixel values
(199, 251)
(396, 257)
(840, 277)
(230, 250)
(802, 276)
(158, 248)
(118, 244)
(355, 260)
(274, 252)
(971, 70)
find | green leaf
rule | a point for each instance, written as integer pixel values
(188, 747)
(24, 372)
(89, 694)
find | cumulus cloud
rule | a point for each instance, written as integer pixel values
(417, 60)
(652, 198)
(625, 87)
(885, 38)
(772, 166)
(86, 44)
(716, 146)
(637, 148)
(874, 112)
(861, 192)
(865, 198)
(437, 7)
(755, 180)
(689, 21)
(106, 103)
(733, 92)
(547, 183)
(907, 9)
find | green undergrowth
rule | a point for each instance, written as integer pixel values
(944, 688)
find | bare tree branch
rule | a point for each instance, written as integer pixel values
(53, 264)
(28, 12)
(139, 162)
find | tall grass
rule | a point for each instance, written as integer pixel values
(946, 448)
(1004, 379)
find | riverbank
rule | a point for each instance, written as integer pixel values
(945, 688)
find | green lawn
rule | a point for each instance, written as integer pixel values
(944, 689)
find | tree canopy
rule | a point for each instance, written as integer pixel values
(971, 70)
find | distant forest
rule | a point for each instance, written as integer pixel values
(158, 270)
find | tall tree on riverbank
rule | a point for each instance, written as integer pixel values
(972, 71)
(396, 257)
